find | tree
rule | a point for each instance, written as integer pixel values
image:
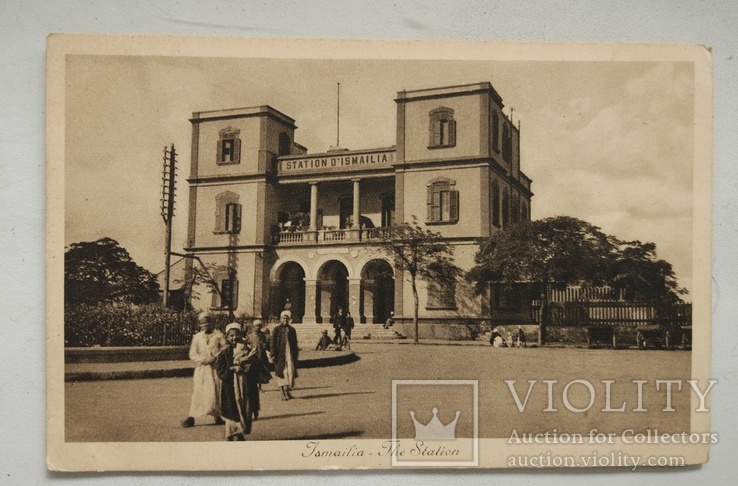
(642, 276)
(552, 251)
(422, 254)
(103, 271)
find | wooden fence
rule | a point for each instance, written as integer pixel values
(628, 314)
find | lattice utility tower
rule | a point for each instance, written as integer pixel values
(168, 186)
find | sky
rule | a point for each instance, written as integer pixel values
(607, 142)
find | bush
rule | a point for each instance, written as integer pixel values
(118, 324)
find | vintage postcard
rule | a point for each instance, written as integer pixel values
(304, 254)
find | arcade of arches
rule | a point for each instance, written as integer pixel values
(369, 299)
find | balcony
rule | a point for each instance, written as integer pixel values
(330, 236)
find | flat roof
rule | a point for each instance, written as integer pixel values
(263, 110)
(460, 89)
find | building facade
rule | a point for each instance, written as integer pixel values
(278, 227)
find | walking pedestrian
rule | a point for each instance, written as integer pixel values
(238, 367)
(204, 349)
(284, 353)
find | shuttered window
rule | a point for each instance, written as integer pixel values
(227, 213)
(228, 148)
(226, 296)
(443, 202)
(495, 204)
(233, 218)
(442, 128)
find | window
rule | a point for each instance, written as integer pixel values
(505, 209)
(443, 202)
(442, 128)
(285, 144)
(227, 298)
(524, 212)
(506, 143)
(495, 131)
(233, 218)
(441, 295)
(496, 204)
(227, 213)
(229, 146)
(515, 213)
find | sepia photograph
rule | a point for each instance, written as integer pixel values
(368, 254)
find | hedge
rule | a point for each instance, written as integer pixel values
(119, 324)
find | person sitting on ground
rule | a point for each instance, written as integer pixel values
(324, 342)
(496, 339)
(390, 320)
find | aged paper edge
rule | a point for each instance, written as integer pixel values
(63, 456)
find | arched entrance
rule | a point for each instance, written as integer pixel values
(289, 291)
(332, 291)
(377, 291)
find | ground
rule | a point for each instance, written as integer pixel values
(354, 400)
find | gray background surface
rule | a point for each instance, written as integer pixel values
(23, 30)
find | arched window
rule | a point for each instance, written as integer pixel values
(443, 201)
(227, 213)
(495, 131)
(496, 204)
(442, 128)
(229, 146)
(505, 209)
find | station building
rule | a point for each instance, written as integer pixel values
(280, 227)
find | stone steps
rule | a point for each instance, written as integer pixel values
(309, 334)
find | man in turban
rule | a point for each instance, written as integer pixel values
(205, 347)
(284, 353)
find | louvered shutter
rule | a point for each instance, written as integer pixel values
(219, 215)
(454, 206)
(237, 151)
(436, 203)
(234, 293)
(435, 138)
(237, 218)
(451, 133)
(429, 214)
(219, 151)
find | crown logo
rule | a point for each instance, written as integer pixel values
(435, 430)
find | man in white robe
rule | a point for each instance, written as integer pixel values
(205, 347)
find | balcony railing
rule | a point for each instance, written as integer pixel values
(331, 235)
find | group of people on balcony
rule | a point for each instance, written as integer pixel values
(300, 221)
